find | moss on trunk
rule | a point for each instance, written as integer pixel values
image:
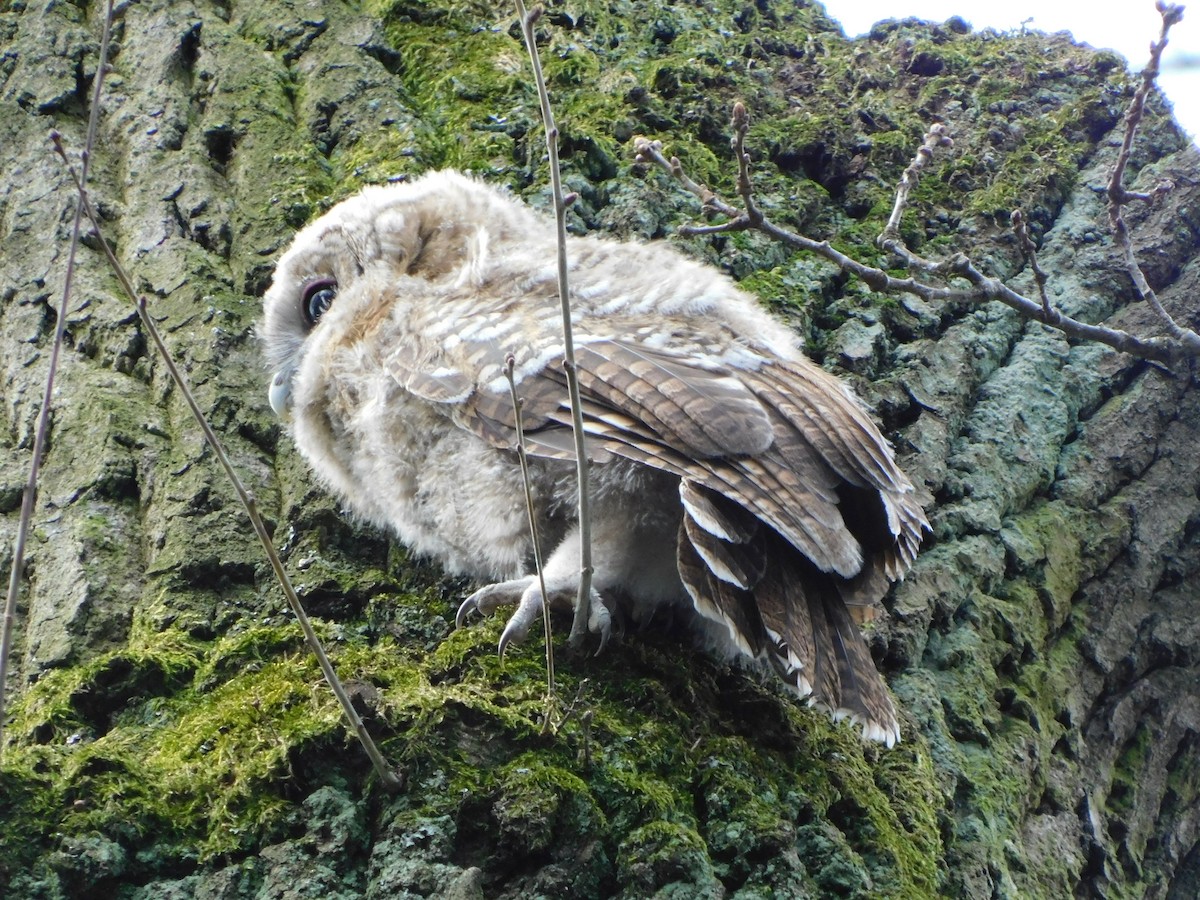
(169, 735)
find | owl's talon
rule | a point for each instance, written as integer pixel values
(464, 611)
(489, 598)
(526, 594)
(599, 622)
(529, 609)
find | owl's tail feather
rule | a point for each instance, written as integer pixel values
(818, 649)
(777, 606)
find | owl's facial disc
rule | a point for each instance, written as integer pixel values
(315, 299)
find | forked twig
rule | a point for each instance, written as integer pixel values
(509, 364)
(1179, 344)
(981, 286)
(579, 626)
(43, 422)
(386, 774)
(738, 220)
(1029, 251)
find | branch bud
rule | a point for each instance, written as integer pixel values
(741, 118)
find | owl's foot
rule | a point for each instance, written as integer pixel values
(526, 595)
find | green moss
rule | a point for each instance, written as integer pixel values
(308, 190)
(203, 763)
(30, 810)
(896, 148)
(377, 161)
(57, 707)
(746, 817)
(207, 746)
(1004, 674)
(662, 854)
(538, 803)
(466, 72)
(611, 73)
(1128, 771)
(635, 795)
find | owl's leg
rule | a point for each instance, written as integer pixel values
(488, 599)
(529, 611)
(562, 587)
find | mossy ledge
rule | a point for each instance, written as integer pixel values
(203, 750)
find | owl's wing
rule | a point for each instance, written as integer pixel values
(796, 515)
(784, 440)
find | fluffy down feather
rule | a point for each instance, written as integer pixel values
(732, 475)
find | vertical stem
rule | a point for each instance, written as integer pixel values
(523, 457)
(387, 775)
(385, 772)
(579, 626)
(43, 423)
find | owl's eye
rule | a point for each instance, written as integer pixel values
(315, 299)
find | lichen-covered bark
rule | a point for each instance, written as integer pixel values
(168, 735)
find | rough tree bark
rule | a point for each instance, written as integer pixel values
(169, 737)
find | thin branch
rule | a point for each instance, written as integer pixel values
(386, 774)
(1118, 196)
(1167, 350)
(576, 702)
(750, 216)
(1029, 251)
(741, 124)
(509, 364)
(579, 626)
(43, 424)
(889, 239)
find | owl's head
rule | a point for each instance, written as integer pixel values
(363, 251)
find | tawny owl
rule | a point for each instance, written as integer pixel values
(731, 475)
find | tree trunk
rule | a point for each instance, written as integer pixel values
(169, 736)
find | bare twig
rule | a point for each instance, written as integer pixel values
(509, 364)
(386, 774)
(889, 239)
(576, 702)
(750, 216)
(43, 423)
(585, 720)
(1118, 196)
(579, 626)
(1180, 344)
(741, 124)
(1029, 251)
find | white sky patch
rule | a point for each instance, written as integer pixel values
(1126, 26)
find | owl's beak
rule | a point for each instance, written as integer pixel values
(280, 392)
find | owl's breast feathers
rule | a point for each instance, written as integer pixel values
(794, 515)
